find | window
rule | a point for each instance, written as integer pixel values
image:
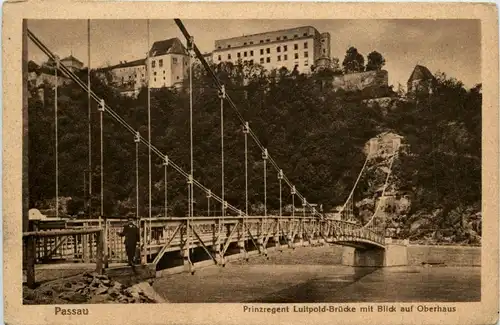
(261, 60)
(296, 55)
(279, 57)
(238, 54)
(220, 58)
(285, 37)
(160, 63)
(268, 59)
(306, 63)
(285, 48)
(278, 49)
(268, 50)
(324, 51)
(251, 53)
(251, 43)
(177, 77)
(261, 51)
(278, 38)
(305, 45)
(153, 63)
(295, 46)
(323, 40)
(306, 54)
(155, 73)
(163, 71)
(174, 61)
(285, 57)
(251, 62)
(245, 54)
(229, 56)
(155, 79)
(245, 43)
(228, 46)
(305, 34)
(163, 78)
(261, 41)
(295, 36)
(219, 47)
(268, 40)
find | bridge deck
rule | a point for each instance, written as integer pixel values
(213, 234)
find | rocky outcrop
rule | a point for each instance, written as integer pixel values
(90, 288)
(369, 84)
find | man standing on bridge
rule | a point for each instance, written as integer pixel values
(131, 233)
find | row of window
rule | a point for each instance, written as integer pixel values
(160, 62)
(268, 51)
(268, 60)
(164, 78)
(285, 57)
(278, 38)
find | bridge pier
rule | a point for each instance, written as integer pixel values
(393, 254)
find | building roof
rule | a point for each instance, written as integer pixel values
(168, 46)
(420, 73)
(72, 58)
(127, 64)
(268, 32)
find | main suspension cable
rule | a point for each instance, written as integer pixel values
(355, 183)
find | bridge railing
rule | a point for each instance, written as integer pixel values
(57, 239)
(170, 234)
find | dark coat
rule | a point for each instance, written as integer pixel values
(131, 233)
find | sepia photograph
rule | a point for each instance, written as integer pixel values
(314, 167)
(306, 155)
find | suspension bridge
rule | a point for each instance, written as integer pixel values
(233, 233)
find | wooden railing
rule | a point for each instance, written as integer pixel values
(161, 235)
(51, 242)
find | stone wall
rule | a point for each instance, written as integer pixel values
(370, 80)
(396, 255)
(447, 255)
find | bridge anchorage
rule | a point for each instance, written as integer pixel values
(229, 233)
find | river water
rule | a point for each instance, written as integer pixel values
(308, 275)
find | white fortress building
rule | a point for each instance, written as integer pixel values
(167, 66)
(300, 47)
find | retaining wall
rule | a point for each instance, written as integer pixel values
(447, 255)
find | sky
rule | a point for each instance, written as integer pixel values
(450, 46)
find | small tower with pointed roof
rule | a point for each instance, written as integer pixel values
(421, 81)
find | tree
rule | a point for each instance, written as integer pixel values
(353, 61)
(375, 61)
